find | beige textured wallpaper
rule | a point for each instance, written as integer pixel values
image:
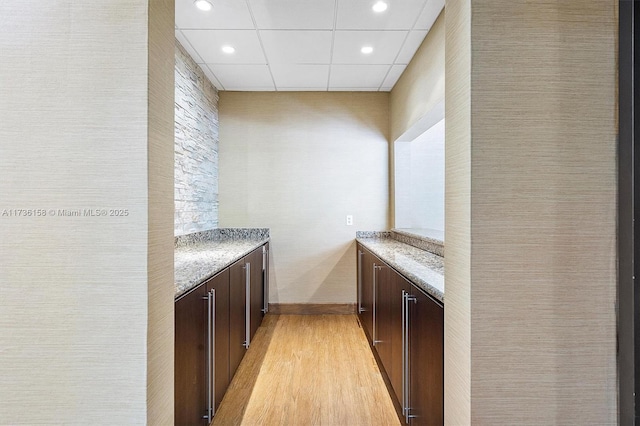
(542, 233)
(161, 290)
(74, 220)
(457, 262)
(299, 163)
(421, 86)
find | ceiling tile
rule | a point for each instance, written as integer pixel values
(297, 47)
(301, 76)
(209, 44)
(429, 14)
(187, 46)
(290, 47)
(226, 14)
(293, 14)
(243, 77)
(357, 76)
(358, 15)
(411, 44)
(392, 77)
(212, 78)
(386, 45)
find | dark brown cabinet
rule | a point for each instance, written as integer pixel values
(426, 360)
(382, 336)
(214, 323)
(190, 358)
(256, 287)
(202, 350)
(365, 287)
(237, 314)
(399, 287)
(407, 335)
(247, 292)
(218, 289)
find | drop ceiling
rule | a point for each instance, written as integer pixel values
(304, 45)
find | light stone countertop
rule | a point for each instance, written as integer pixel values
(199, 260)
(424, 269)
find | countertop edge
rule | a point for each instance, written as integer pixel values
(219, 269)
(415, 279)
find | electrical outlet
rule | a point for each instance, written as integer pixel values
(349, 220)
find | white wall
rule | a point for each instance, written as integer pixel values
(419, 180)
(298, 163)
(85, 300)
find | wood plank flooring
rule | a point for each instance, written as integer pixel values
(308, 370)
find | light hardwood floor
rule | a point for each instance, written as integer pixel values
(308, 370)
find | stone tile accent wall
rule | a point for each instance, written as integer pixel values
(196, 147)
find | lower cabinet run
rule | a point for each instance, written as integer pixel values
(214, 324)
(406, 331)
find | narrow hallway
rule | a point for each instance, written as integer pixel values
(308, 370)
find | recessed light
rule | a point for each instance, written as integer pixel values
(366, 49)
(228, 49)
(380, 7)
(203, 5)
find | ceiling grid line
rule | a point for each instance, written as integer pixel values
(203, 65)
(333, 41)
(415, 22)
(255, 25)
(403, 43)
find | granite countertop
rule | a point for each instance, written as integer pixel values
(424, 269)
(200, 256)
(433, 235)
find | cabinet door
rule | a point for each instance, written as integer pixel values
(366, 293)
(359, 269)
(382, 314)
(257, 295)
(237, 315)
(426, 365)
(220, 360)
(398, 285)
(265, 280)
(190, 358)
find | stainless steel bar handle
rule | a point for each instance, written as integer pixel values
(404, 354)
(360, 254)
(266, 285)
(247, 319)
(406, 377)
(265, 280)
(375, 303)
(264, 252)
(212, 360)
(373, 337)
(209, 415)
